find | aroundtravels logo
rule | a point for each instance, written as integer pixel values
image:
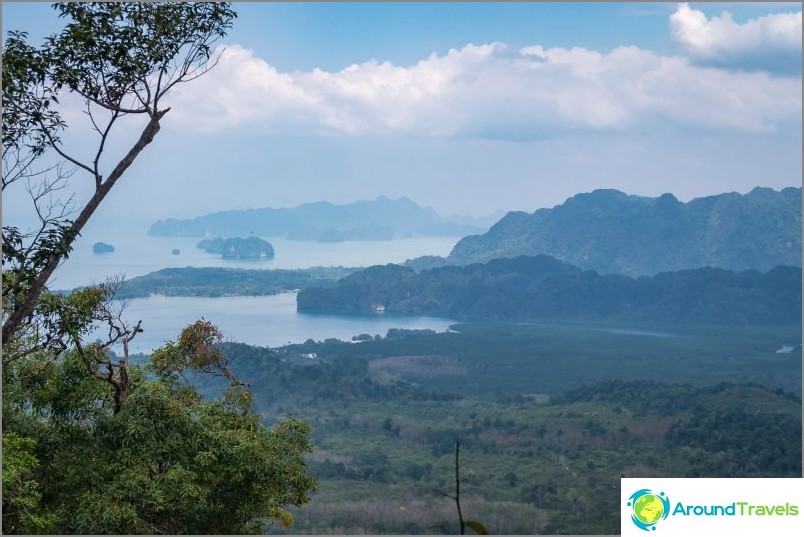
(673, 506)
(648, 508)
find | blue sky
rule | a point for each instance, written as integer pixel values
(472, 108)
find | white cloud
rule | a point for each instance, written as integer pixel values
(721, 38)
(486, 91)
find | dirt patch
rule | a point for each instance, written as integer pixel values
(418, 366)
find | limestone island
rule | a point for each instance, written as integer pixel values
(252, 248)
(102, 248)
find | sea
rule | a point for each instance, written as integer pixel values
(269, 321)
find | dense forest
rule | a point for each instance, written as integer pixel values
(542, 287)
(544, 440)
(214, 282)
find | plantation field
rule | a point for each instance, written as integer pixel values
(549, 418)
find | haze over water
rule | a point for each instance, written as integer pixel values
(137, 254)
(261, 320)
(267, 321)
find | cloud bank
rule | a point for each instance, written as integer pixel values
(492, 91)
(487, 91)
(721, 39)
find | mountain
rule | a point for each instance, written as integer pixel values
(542, 287)
(380, 219)
(614, 233)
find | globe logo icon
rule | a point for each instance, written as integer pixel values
(648, 508)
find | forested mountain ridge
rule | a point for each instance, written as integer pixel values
(614, 233)
(541, 287)
(379, 219)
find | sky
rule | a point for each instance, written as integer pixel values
(468, 108)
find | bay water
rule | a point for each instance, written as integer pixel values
(263, 320)
(267, 321)
(136, 254)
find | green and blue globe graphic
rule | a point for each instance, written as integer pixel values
(648, 508)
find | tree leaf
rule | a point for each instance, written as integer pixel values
(478, 528)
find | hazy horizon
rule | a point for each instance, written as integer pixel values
(469, 109)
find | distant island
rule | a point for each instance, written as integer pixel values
(377, 220)
(102, 248)
(611, 232)
(252, 248)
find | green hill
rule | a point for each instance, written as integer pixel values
(613, 233)
(542, 287)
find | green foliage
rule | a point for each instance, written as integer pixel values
(738, 441)
(108, 49)
(543, 440)
(541, 287)
(59, 319)
(29, 120)
(507, 362)
(91, 443)
(23, 263)
(210, 281)
(22, 512)
(476, 526)
(168, 462)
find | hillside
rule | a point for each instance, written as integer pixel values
(379, 219)
(545, 415)
(542, 287)
(613, 233)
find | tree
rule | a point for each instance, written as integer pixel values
(168, 462)
(93, 443)
(120, 60)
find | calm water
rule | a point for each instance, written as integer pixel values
(265, 321)
(137, 254)
(269, 321)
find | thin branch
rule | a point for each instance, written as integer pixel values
(110, 107)
(13, 171)
(88, 112)
(188, 75)
(88, 363)
(64, 155)
(104, 137)
(147, 99)
(457, 497)
(450, 496)
(458, 486)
